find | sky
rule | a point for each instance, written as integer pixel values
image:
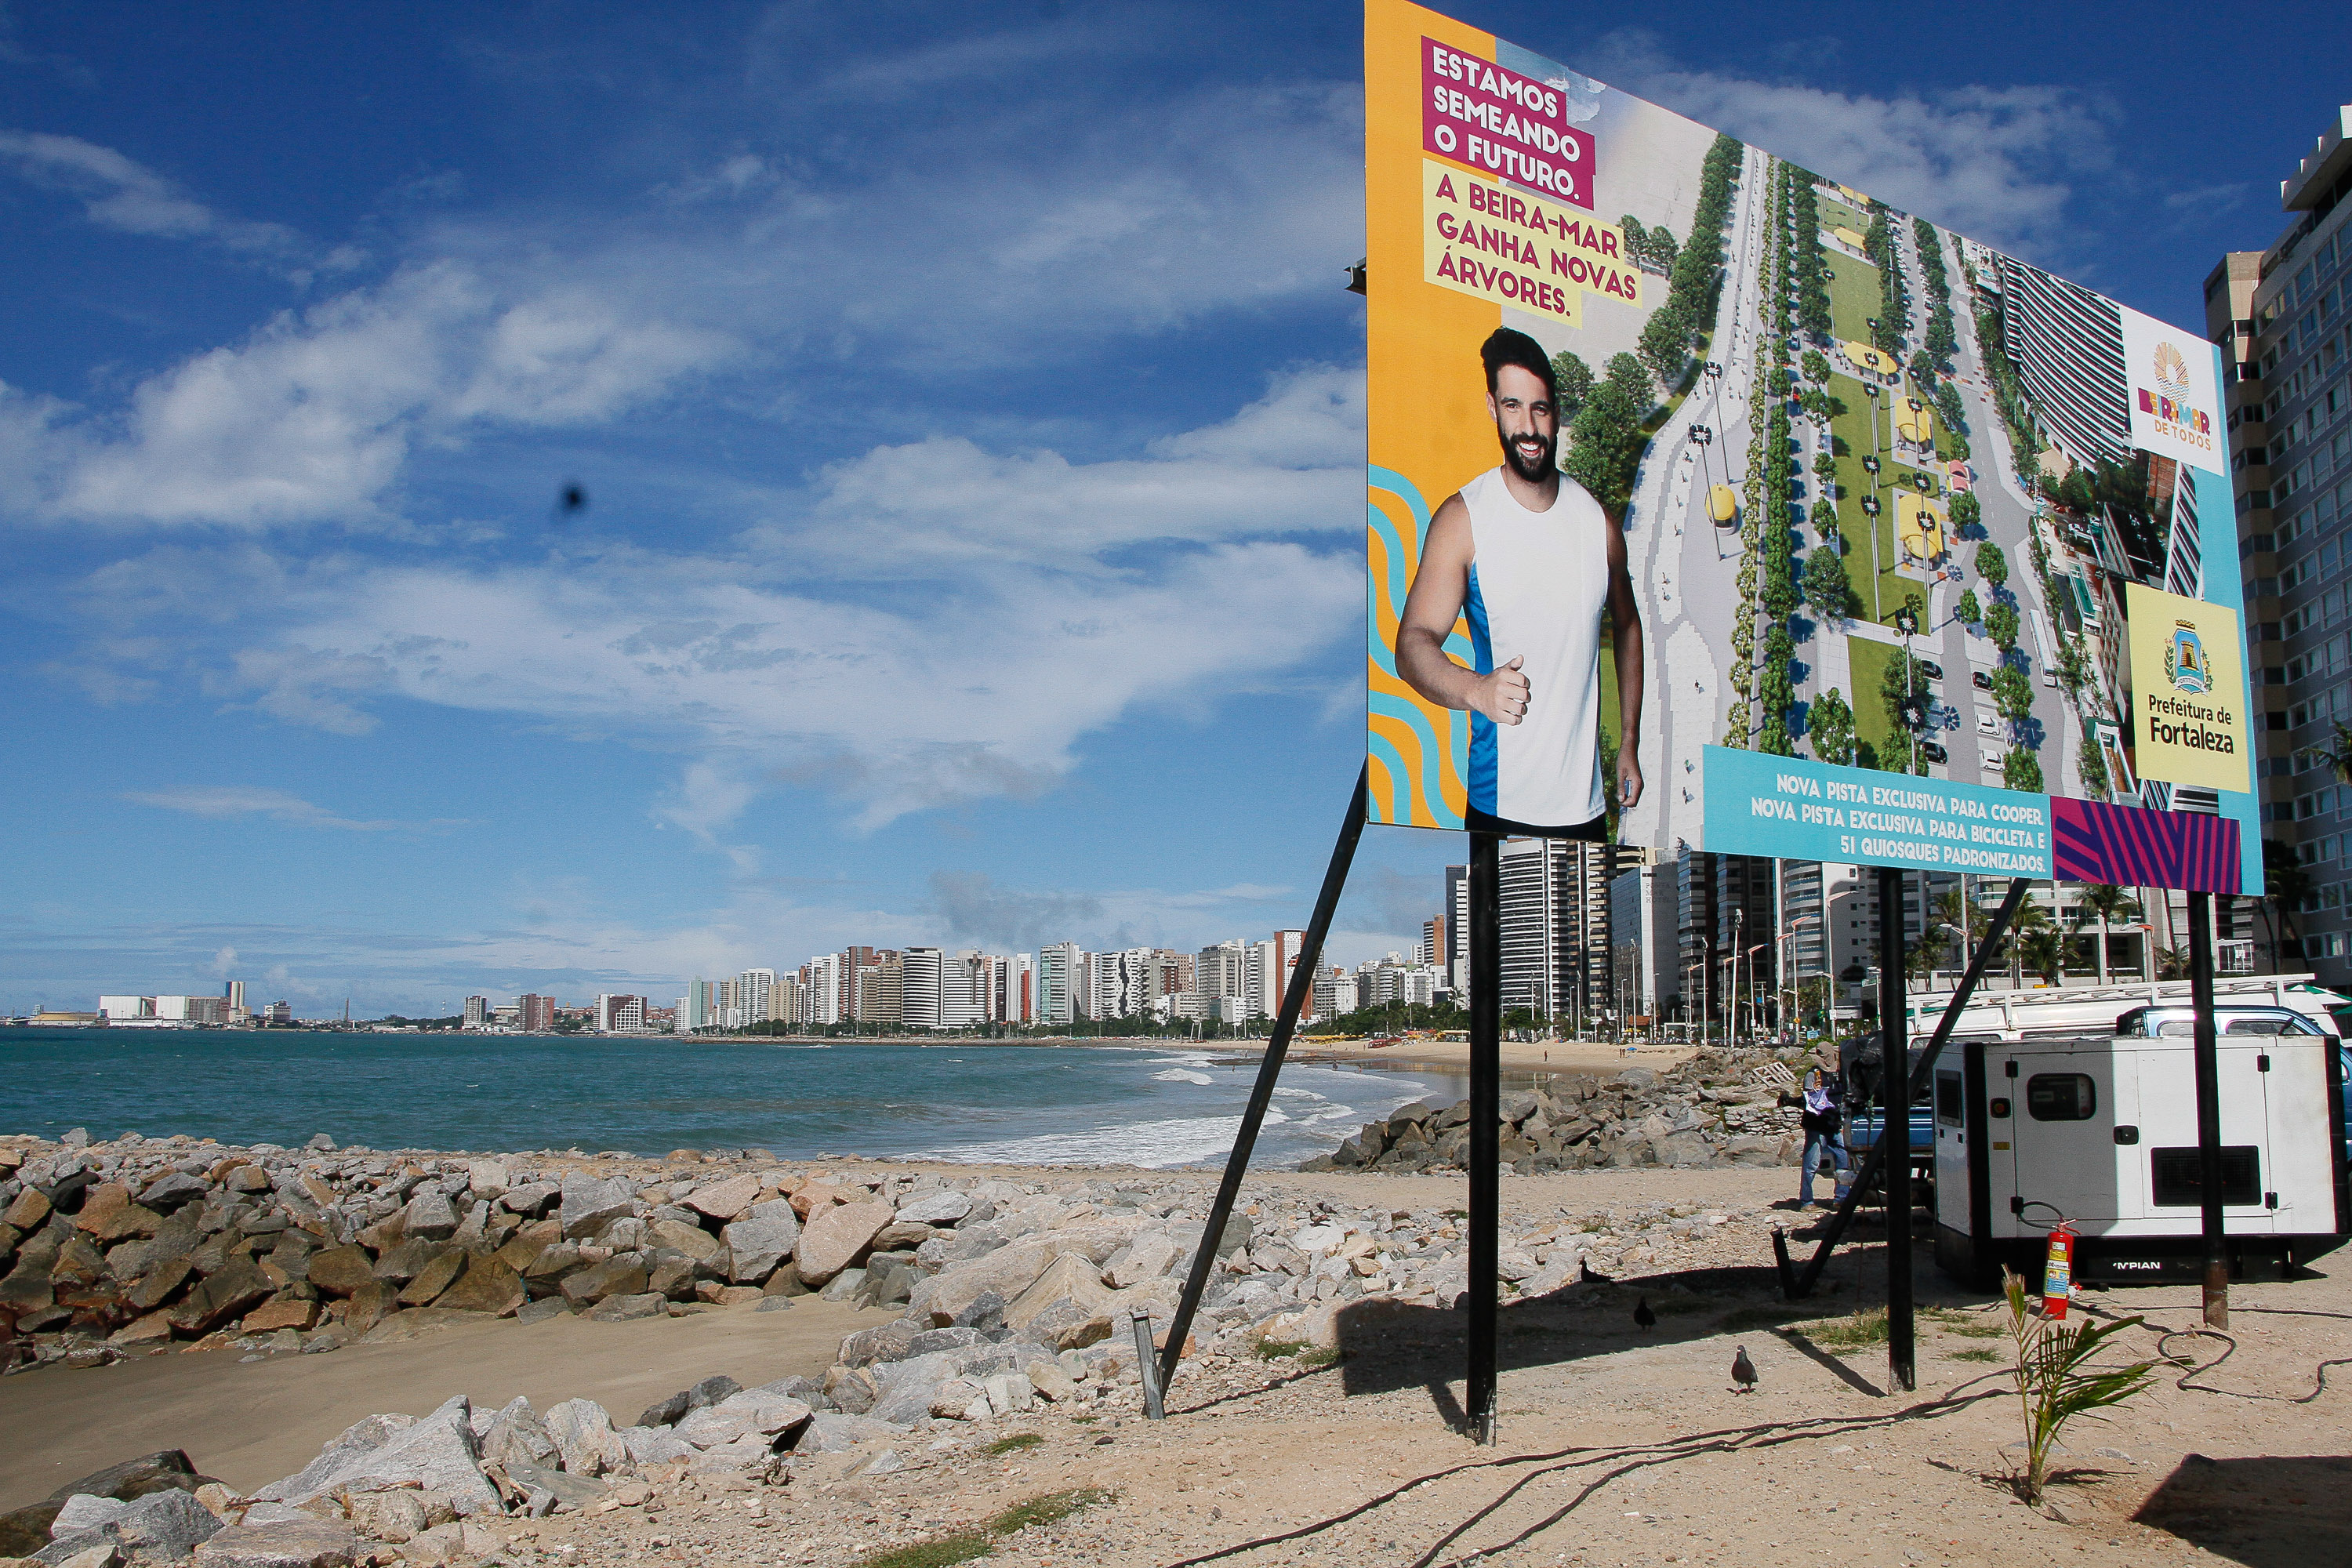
(967, 411)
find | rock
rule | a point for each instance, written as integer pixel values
(1065, 1307)
(578, 1491)
(317, 1544)
(583, 1435)
(959, 1399)
(430, 1216)
(757, 1245)
(405, 1259)
(751, 1413)
(680, 1237)
(944, 1207)
(845, 1286)
(26, 1530)
(1148, 1257)
(589, 1204)
(1006, 1272)
(985, 1311)
(168, 1524)
(905, 1389)
(447, 1545)
(27, 1210)
(370, 1305)
(82, 1511)
(437, 1453)
(710, 1391)
(838, 1237)
(516, 1435)
(166, 1469)
(271, 1315)
(627, 1309)
(725, 1200)
(653, 1446)
(1010, 1393)
(529, 1198)
(107, 1215)
(227, 1294)
(434, 1278)
(340, 1270)
(488, 1286)
(900, 1237)
(102, 1554)
(891, 1342)
(834, 1432)
(363, 1436)
(623, 1274)
(486, 1179)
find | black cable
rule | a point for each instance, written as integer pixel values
(2319, 1373)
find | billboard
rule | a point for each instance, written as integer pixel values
(1713, 503)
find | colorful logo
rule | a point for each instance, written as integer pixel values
(2171, 371)
(2184, 660)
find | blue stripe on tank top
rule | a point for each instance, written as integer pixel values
(1482, 729)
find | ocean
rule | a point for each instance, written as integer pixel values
(1141, 1103)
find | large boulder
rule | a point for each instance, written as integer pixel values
(431, 1216)
(583, 1435)
(1148, 1257)
(943, 1207)
(340, 1270)
(488, 1286)
(753, 1412)
(589, 1204)
(690, 1239)
(518, 1436)
(725, 1200)
(710, 1391)
(437, 1453)
(1065, 1307)
(761, 1241)
(1005, 1272)
(289, 1544)
(623, 1274)
(434, 1278)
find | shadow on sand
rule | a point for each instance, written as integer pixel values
(2276, 1511)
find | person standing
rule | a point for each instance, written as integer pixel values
(1823, 1120)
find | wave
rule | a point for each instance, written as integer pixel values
(1152, 1144)
(1298, 1094)
(1182, 1075)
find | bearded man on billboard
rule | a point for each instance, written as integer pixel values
(1531, 561)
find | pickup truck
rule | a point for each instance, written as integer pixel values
(1861, 1136)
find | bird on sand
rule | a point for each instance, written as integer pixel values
(1743, 1372)
(1643, 1315)
(1585, 1275)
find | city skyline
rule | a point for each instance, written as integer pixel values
(335, 692)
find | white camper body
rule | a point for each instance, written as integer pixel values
(2100, 1130)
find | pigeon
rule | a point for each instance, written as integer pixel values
(1643, 1315)
(1743, 1372)
(1585, 1275)
(571, 500)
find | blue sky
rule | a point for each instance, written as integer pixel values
(970, 420)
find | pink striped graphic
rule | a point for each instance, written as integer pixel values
(2131, 846)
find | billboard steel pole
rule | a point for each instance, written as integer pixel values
(1485, 1132)
(2209, 1112)
(1294, 1002)
(1895, 1128)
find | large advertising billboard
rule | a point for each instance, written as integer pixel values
(1716, 504)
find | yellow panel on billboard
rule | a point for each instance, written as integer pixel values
(2188, 711)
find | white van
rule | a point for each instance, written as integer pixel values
(2099, 1128)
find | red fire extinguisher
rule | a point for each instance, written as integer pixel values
(2058, 1272)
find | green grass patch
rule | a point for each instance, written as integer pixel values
(1853, 290)
(1014, 1444)
(1977, 1352)
(1869, 661)
(1855, 1332)
(1968, 1325)
(979, 1541)
(1298, 1352)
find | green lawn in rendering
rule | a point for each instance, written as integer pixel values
(1853, 429)
(1853, 295)
(1869, 660)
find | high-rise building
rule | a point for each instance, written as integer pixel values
(1220, 970)
(2280, 318)
(1334, 994)
(1057, 981)
(1457, 927)
(753, 988)
(1555, 918)
(788, 1002)
(827, 1003)
(919, 988)
(477, 1012)
(620, 1015)
(881, 992)
(281, 1012)
(233, 994)
(1645, 984)
(535, 1014)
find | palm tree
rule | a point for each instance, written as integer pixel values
(2044, 950)
(2336, 755)
(2030, 918)
(2172, 963)
(2285, 884)
(2108, 903)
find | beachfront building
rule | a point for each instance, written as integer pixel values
(477, 1012)
(2280, 317)
(535, 1014)
(919, 988)
(1643, 984)
(621, 1014)
(1057, 967)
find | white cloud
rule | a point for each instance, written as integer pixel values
(1018, 618)
(124, 194)
(2000, 165)
(223, 802)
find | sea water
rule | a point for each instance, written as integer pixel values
(1141, 1103)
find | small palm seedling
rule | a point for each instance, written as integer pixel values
(2056, 1382)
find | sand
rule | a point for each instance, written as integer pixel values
(1616, 1445)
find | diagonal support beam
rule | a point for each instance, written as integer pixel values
(1795, 1285)
(1293, 1002)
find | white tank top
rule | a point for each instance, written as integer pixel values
(1539, 585)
